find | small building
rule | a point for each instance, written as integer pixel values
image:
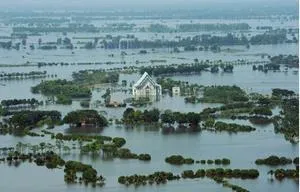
(175, 90)
(146, 87)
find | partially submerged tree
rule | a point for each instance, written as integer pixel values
(80, 118)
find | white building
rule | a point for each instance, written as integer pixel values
(146, 87)
(175, 90)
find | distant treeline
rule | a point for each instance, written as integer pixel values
(47, 29)
(195, 27)
(206, 40)
(132, 42)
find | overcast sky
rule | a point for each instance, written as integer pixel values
(145, 4)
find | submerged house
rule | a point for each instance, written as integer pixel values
(146, 87)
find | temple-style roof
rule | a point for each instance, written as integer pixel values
(145, 77)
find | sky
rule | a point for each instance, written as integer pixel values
(132, 4)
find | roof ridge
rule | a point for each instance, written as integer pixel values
(144, 76)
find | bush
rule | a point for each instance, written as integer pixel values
(188, 174)
(189, 161)
(144, 157)
(179, 160)
(225, 161)
(119, 141)
(175, 159)
(218, 161)
(200, 173)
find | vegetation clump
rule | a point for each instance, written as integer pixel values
(286, 173)
(21, 76)
(288, 122)
(274, 160)
(92, 77)
(155, 178)
(25, 119)
(49, 159)
(64, 90)
(17, 102)
(131, 116)
(170, 70)
(224, 94)
(74, 137)
(232, 127)
(179, 160)
(81, 118)
(89, 174)
(221, 173)
(289, 60)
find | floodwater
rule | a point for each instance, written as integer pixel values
(241, 148)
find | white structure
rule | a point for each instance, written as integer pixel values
(175, 90)
(146, 87)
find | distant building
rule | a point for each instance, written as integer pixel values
(146, 87)
(175, 90)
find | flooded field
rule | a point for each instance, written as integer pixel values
(242, 148)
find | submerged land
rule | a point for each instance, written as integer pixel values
(68, 116)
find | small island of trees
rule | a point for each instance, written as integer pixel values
(82, 118)
(274, 160)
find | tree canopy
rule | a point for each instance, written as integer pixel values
(81, 117)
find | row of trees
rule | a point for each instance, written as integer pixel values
(79, 118)
(199, 40)
(270, 37)
(275, 160)
(132, 116)
(10, 102)
(221, 173)
(265, 68)
(290, 60)
(18, 74)
(196, 27)
(179, 160)
(163, 177)
(192, 119)
(25, 119)
(170, 70)
(118, 42)
(48, 29)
